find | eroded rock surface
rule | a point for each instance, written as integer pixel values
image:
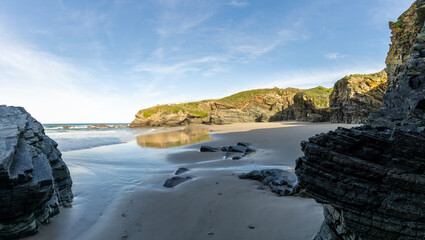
(356, 96)
(371, 179)
(34, 180)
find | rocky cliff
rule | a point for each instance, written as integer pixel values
(404, 32)
(355, 97)
(370, 179)
(261, 105)
(34, 180)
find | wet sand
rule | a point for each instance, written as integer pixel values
(216, 204)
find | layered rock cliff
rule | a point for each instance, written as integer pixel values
(34, 180)
(355, 97)
(261, 105)
(370, 179)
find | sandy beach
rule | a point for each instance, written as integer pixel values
(215, 204)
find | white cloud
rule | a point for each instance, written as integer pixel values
(237, 3)
(334, 55)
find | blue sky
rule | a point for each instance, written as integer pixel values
(102, 61)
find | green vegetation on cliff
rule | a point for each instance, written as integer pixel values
(319, 95)
(271, 100)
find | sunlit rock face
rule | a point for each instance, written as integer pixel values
(356, 96)
(34, 180)
(371, 179)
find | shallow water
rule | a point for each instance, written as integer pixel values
(100, 174)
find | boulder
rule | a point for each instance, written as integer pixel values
(174, 181)
(181, 171)
(34, 180)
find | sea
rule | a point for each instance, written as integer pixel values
(78, 136)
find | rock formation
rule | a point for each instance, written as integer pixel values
(371, 179)
(355, 97)
(261, 105)
(34, 180)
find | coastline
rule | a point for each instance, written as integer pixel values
(215, 204)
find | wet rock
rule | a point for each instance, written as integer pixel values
(34, 180)
(209, 149)
(236, 157)
(237, 148)
(225, 148)
(279, 181)
(251, 226)
(181, 170)
(243, 144)
(174, 181)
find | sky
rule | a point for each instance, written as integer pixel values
(77, 61)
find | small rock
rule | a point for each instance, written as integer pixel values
(249, 149)
(225, 148)
(244, 144)
(174, 181)
(236, 157)
(211, 234)
(237, 148)
(209, 149)
(251, 226)
(181, 170)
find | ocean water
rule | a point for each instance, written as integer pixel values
(79, 136)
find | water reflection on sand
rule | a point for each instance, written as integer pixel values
(186, 136)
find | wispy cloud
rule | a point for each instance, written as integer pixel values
(388, 10)
(178, 17)
(237, 3)
(255, 46)
(205, 64)
(334, 55)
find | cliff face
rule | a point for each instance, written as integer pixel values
(370, 179)
(404, 32)
(260, 105)
(355, 97)
(34, 180)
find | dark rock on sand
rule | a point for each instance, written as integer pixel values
(181, 170)
(209, 149)
(244, 144)
(234, 152)
(34, 180)
(174, 181)
(237, 148)
(371, 179)
(279, 181)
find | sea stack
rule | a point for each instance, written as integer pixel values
(34, 180)
(371, 179)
